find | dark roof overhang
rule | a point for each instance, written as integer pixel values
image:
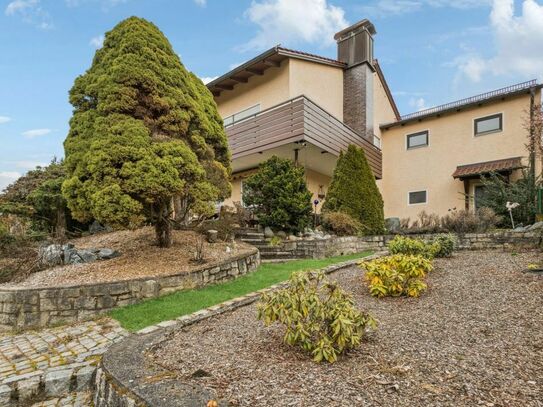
(475, 170)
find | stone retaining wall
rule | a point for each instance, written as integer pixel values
(320, 248)
(25, 308)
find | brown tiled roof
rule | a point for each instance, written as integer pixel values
(470, 170)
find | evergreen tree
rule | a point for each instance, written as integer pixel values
(144, 131)
(279, 195)
(353, 191)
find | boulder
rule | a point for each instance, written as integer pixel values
(83, 256)
(293, 238)
(268, 233)
(51, 255)
(282, 234)
(392, 225)
(106, 254)
(536, 226)
(212, 235)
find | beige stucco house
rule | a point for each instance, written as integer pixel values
(309, 108)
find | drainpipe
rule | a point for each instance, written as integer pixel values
(532, 135)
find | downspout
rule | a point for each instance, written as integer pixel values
(532, 135)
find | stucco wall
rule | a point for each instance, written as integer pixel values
(268, 90)
(451, 143)
(323, 84)
(382, 110)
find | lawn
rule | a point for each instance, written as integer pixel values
(150, 312)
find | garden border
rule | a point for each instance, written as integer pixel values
(124, 378)
(38, 307)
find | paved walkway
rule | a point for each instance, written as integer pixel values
(53, 363)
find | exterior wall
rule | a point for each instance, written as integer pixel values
(268, 90)
(382, 110)
(451, 143)
(323, 84)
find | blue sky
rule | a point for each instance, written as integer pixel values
(432, 51)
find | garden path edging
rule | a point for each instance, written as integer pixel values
(124, 378)
(30, 307)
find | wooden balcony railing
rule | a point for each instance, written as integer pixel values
(298, 119)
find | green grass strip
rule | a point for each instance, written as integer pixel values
(171, 306)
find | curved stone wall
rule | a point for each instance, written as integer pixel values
(25, 308)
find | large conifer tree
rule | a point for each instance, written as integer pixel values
(353, 191)
(144, 130)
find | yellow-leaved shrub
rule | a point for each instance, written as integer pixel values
(397, 275)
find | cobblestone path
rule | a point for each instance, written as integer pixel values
(56, 365)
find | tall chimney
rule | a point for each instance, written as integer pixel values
(355, 48)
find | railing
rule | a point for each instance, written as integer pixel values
(473, 99)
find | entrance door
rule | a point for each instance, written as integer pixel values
(479, 195)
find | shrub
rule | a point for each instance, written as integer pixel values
(225, 227)
(397, 275)
(340, 223)
(278, 194)
(465, 221)
(444, 245)
(416, 247)
(318, 315)
(353, 191)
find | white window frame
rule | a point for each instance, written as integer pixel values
(475, 135)
(427, 131)
(420, 203)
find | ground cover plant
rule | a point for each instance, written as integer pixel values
(171, 306)
(397, 275)
(445, 244)
(318, 315)
(407, 245)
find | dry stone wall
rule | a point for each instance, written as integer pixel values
(25, 308)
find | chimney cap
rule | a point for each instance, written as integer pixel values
(356, 27)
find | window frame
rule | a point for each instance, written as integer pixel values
(488, 117)
(418, 133)
(418, 203)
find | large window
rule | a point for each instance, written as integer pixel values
(416, 140)
(417, 197)
(239, 116)
(488, 124)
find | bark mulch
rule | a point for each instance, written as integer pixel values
(475, 338)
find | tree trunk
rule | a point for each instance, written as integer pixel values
(60, 227)
(163, 226)
(180, 205)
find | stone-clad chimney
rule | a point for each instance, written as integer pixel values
(355, 48)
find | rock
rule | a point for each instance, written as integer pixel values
(327, 236)
(521, 229)
(96, 227)
(268, 232)
(51, 255)
(293, 238)
(536, 226)
(82, 256)
(212, 236)
(106, 254)
(392, 225)
(282, 234)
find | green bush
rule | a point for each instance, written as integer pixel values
(444, 244)
(278, 194)
(353, 191)
(318, 315)
(397, 275)
(342, 224)
(407, 245)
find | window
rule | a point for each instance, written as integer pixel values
(417, 197)
(419, 139)
(236, 117)
(488, 124)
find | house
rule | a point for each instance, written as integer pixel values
(309, 108)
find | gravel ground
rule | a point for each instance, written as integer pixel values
(474, 338)
(140, 257)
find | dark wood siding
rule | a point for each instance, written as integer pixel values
(296, 120)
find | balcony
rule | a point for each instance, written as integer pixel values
(298, 121)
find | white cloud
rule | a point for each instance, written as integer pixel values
(97, 42)
(36, 133)
(207, 79)
(518, 39)
(289, 22)
(29, 165)
(31, 12)
(7, 177)
(201, 3)
(418, 104)
(4, 119)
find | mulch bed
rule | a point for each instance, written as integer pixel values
(140, 257)
(474, 338)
